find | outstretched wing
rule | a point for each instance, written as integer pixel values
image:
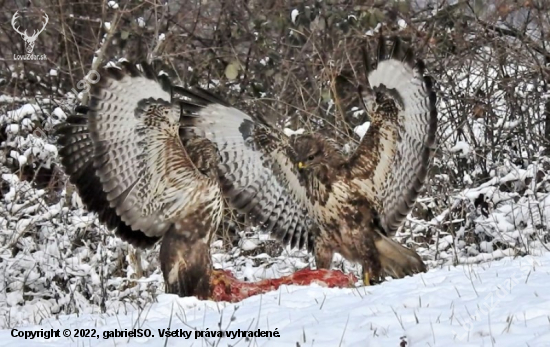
(129, 148)
(256, 168)
(77, 151)
(390, 164)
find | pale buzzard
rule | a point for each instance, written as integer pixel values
(126, 158)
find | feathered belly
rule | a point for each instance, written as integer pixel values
(344, 221)
(332, 216)
(343, 235)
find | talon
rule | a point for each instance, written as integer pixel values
(366, 279)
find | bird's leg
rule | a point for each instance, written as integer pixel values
(370, 260)
(323, 252)
(185, 262)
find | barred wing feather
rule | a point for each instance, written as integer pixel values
(391, 165)
(256, 169)
(144, 170)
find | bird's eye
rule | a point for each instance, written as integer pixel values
(311, 157)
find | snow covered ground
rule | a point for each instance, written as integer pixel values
(501, 303)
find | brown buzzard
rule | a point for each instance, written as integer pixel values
(307, 192)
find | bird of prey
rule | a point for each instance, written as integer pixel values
(124, 155)
(308, 193)
(158, 161)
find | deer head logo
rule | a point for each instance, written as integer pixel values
(29, 39)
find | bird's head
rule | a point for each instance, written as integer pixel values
(316, 154)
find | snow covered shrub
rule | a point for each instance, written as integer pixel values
(54, 256)
(488, 195)
(508, 215)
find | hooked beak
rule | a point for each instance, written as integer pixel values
(301, 165)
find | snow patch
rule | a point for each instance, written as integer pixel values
(293, 15)
(289, 132)
(112, 4)
(362, 129)
(461, 146)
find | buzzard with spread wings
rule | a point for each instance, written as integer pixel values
(124, 155)
(308, 193)
(157, 161)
